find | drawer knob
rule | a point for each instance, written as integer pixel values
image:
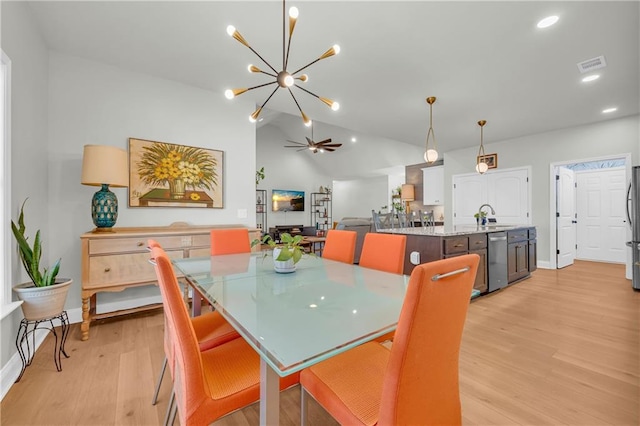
(107, 269)
(140, 244)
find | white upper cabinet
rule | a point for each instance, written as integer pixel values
(507, 191)
(433, 186)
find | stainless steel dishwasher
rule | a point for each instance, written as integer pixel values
(497, 254)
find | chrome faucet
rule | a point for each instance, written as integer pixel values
(493, 212)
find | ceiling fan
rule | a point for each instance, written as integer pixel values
(316, 147)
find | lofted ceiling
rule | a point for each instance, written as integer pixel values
(482, 60)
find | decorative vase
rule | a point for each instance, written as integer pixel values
(484, 221)
(43, 302)
(177, 189)
(282, 266)
(104, 208)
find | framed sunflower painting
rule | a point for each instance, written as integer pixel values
(168, 175)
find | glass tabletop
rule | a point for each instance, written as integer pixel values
(295, 320)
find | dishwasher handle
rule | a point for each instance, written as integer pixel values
(498, 238)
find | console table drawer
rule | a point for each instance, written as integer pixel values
(118, 269)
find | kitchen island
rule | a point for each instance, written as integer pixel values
(511, 258)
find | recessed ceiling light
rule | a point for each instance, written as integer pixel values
(590, 78)
(353, 139)
(548, 21)
(608, 110)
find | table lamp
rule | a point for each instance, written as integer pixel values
(408, 194)
(104, 165)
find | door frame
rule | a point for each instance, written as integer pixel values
(553, 231)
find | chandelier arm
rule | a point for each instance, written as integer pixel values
(306, 66)
(308, 91)
(294, 99)
(261, 85)
(261, 58)
(284, 62)
(268, 98)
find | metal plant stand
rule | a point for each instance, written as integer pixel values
(28, 327)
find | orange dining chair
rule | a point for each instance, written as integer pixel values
(230, 241)
(207, 384)
(384, 252)
(416, 381)
(340, 245)
(211, 330)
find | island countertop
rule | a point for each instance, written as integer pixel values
(450, 230)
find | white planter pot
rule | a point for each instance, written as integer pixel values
(283, 267)
(43, 302)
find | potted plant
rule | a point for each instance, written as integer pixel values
(481, 218)
(286, 253)
(259, 175)
(44, 296)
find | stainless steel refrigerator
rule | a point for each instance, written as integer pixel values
(633, 215)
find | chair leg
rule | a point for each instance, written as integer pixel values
(303, 406)
(172, 403)
(174, 411)
(162, 371)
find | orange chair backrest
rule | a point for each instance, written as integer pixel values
(152, 243)
(188, 378)
(340, 245)
(384, 252)
(230, 241)
(421, 382)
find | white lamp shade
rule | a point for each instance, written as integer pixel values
(408, 192)
(103, 164)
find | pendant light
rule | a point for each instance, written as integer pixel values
(283, 79)
(481, 165)
(431, 154)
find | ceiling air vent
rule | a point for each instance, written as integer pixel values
(592, 64)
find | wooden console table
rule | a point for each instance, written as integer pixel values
(115, 261)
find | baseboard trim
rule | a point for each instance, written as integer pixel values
(11, 369)
(543, 264)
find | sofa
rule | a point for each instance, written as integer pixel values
(361, 225)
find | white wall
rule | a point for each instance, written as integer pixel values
(357, 197)
(92, 103)
(286, 168)
(22, 42)
(606, 138)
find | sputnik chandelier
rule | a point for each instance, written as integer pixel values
(284, 79)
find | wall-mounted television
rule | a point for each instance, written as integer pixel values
(285, 200)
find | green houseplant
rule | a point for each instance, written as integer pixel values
(286, 253)
(45, 295)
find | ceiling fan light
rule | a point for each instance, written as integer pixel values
(430, 155)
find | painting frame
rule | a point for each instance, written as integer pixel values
(491, 160)
(164, 174)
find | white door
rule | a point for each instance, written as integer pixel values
(565, 217)
(601, 217)
(469, 193)
(509, 196)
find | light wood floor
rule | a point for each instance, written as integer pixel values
(559, 348)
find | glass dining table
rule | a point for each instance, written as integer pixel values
(298, 319)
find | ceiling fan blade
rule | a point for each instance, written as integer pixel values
(299, 143)
(329, 149)
(333, 145)
(324, 141)
(309, 141)
(294, 146)
(302, 149)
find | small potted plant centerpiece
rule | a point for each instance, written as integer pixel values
(286, 253)
(481, 218)
(44, 296)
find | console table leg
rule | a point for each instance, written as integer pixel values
(85, 318)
